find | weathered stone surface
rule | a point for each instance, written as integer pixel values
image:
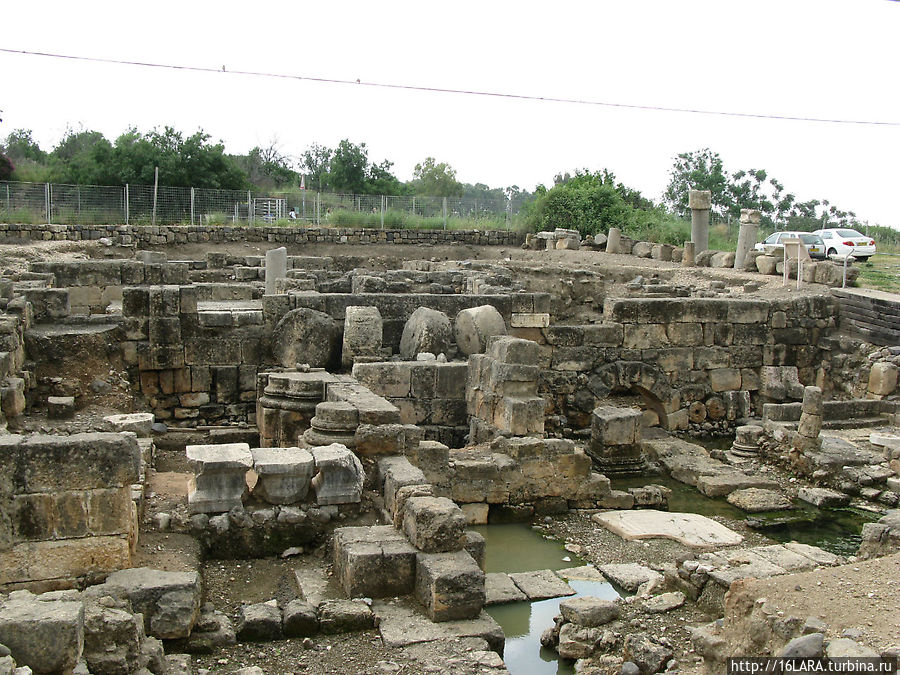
(345, 616)
(169, 601)
(403, 623)
(276, 267)
(434, 524)
(363, 330)
(883, 379)
(578, 642)
(630, 576)
(339, 475)
(754, 500)
(690, 529)
(474, 326)
(220, 472)
(112, 638)
(588, 611)
(450, 586)
(805, 646)
(48, 636)
(843, 647)
(305, 336)
(139, 423)
(541, 585)
(664, 602)
(260, 622)
(284, 474)
(427, 330)
(822, 497)
(500, 589)
(374, 562)
(300, 619)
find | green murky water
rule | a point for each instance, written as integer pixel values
(834, 530)
(519, 548)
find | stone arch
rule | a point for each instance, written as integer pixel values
(637, 377)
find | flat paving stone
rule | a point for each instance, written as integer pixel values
(583, 573)
(690, 529)
(755, 500)
(541, 585)
(402, 623)
(499, 589)
(629, 576)
(665, 602)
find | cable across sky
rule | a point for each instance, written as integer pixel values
(446, 90)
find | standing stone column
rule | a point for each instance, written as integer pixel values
(687, 258)
(807, 439)
(746, 236)
(276, 267)
(612, 241)
(699, 201)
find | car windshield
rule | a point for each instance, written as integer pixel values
(848, 233)
(810, 239)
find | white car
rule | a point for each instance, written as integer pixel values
(842, 241)
(812, 241)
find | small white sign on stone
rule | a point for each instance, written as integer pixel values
(690, 529)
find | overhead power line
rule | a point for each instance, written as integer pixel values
(445, 90)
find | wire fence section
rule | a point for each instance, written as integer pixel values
(162, 205)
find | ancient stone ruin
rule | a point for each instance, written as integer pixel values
(355, 414)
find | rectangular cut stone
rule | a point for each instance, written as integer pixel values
(522, 320)
(615, 426)
(398, 472)
(434, 524)
(284, 474)
(339, 478)
(64, 559)
(450, 586)
(374, 562)
(220, 471)
(541, 585)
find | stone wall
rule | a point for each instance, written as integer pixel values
(66, 507)
(217, 234)
(694, 360)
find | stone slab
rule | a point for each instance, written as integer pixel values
(541, 585)
(402, 623)
(583, 573)
(499, 589)
(629, 576)
(690, 529)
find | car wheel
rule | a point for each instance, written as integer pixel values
(832, 251)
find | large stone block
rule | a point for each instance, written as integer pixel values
(397, 472)
(450, 586)
(362, 334)
(47, 636)
(426, 330)
(615, 426)
(339, 475)
(305, 336)
(508, 349)
(169, 601)
(474, 326)
(883, 379)
(434, 524)
(374, 562)
(220, 476)
(65, 559)
(284, 474)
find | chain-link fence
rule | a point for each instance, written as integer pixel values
(34, 203)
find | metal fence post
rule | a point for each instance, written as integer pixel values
(48, 196)
(192, 206)
(444, 209)
(126, 203)
(249, 208)
(155, 188)
(382, 211)
(318, 207)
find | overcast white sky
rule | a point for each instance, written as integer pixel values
(809, 58)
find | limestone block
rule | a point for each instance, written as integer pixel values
(723, 259)
(59, 407)
(276, 267)
(578, 642)
(699, 199)
(397, 472)
(305, 336)
(725, 379)
(345, 616)
(426, 330)
(615, 426)
(391, 379)
(450, 586)
(339, 475)
(259, 622)
(362, 334)
(533, 320)
(374, 562)
(508, 349)
(588, 611)
(139, 423)
(642, 249)
(169, 601)
(46, 635)
(12, 397)
(434, 524)
(284, 474)
(883, 379)
(474, 326)
(766, 264)
(299, 619)
(112, 639)
(220, 471)
(567, 244)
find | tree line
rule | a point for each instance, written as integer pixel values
(587, 201)
(85, 157)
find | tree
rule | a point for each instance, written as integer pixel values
(82, 158)
(6, 167)
(380, 180)
(436, 179)
(316, 163)
(20, 145)
(267, 167)
(348, 168)
(698, 170)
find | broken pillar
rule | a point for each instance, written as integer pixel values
(613, 239)
(699, 202)
(284, 474)
(339, 475)
(689, 256)
(334, 422)
(220, 476)
(746, 236)
(615, 443)
(362, 335)
(475, 325)
(426, 330)
(807, 438)
(276, 267)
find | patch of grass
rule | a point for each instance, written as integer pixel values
(22, 216)
(880, 272)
